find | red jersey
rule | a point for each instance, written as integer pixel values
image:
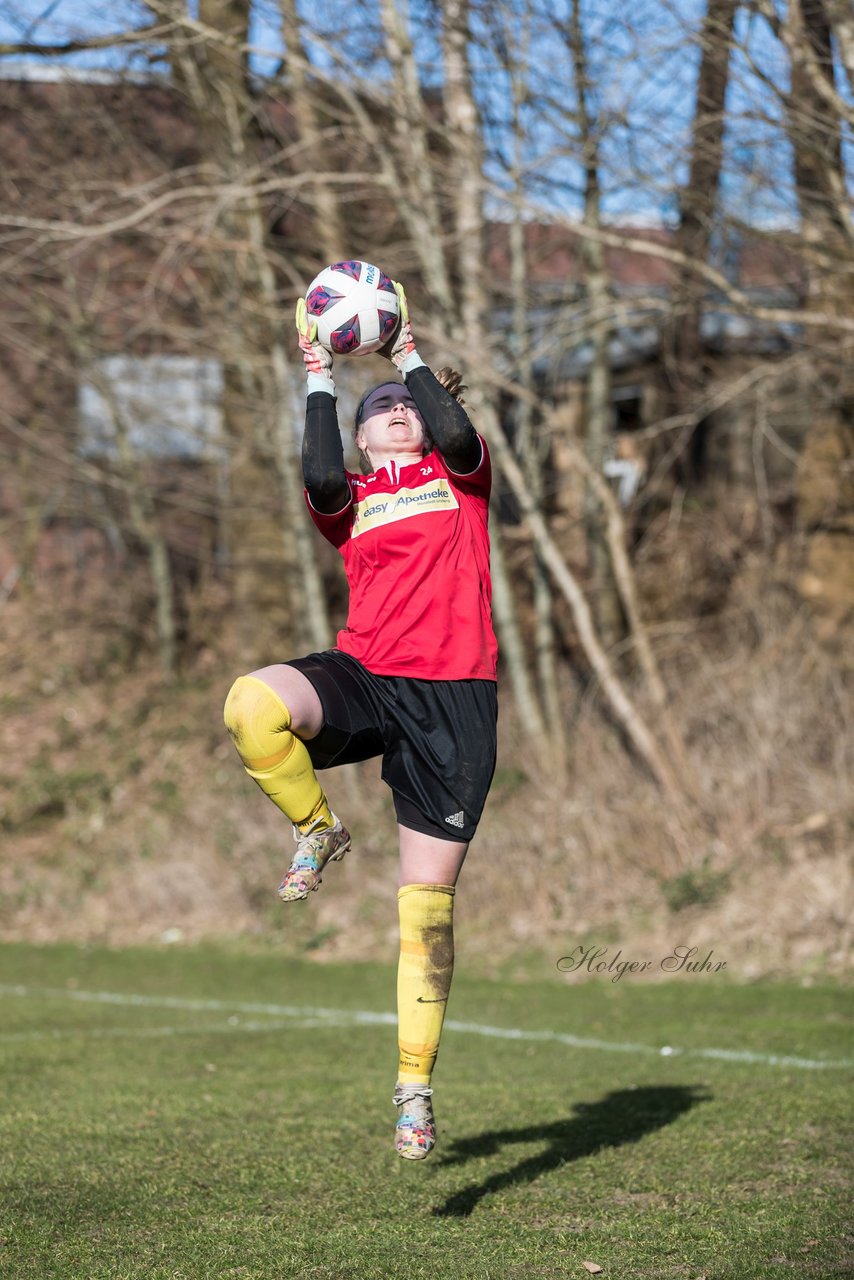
(415, 547)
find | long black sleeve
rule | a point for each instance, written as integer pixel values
(447, 421)
(323, 455)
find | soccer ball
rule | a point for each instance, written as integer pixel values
(355, 306)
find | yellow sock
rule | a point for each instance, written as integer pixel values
(423, 976)
(260, 726)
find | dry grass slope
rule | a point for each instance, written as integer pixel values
(126, 816)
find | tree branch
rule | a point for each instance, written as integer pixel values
(138, 35)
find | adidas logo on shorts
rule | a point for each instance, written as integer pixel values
(457, 819)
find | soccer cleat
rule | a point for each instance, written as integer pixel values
(415, 1132)
(314, 850)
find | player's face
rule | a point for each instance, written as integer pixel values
(390, 421)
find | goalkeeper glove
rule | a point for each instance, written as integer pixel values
(402, 351)
(318, 361)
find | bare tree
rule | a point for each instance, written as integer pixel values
(842, 24)
(272, 155)
(825, 491)
(598, 411)
(264, 488)
(466, 187)
(532, 443)
(411, 141)
(698, 201)
(314, 148)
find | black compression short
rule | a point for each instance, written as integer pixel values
(436, 737)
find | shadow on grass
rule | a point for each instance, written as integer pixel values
(626, 1115)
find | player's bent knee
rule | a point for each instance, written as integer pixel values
(258, 721)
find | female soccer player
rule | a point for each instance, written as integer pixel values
(412, 678)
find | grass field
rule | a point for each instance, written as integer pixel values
(200, 1112)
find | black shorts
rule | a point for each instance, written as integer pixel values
(436, 737)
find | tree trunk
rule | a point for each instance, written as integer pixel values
(532, 455)
(297, 534)
(599, 429)
(841, 18)
(329, 230)
(825, 502)
(467, 160)
(815, 132)
(263, 566)
(698, 202)
(637, 731)
(415, 167)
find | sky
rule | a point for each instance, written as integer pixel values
(643, 64)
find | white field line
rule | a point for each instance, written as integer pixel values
(302, 1016)
(154, 1033)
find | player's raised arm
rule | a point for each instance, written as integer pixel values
(450, 427)
(322, 450)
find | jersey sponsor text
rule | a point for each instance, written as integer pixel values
(379, 509)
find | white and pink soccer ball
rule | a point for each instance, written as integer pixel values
(355, 306)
